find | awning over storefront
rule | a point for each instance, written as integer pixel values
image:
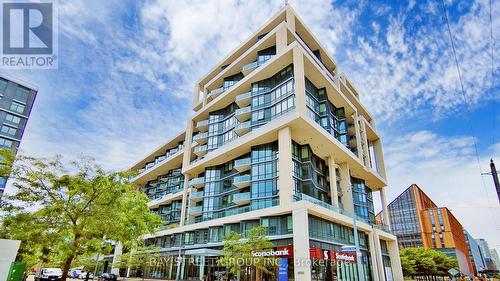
(204, 252)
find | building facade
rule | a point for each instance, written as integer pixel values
(486, 252)
(278, 139)
(495, 259)
(16, 100)
(418, 222)
(475, 254)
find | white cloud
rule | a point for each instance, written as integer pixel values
(411, 70)
(446, 169)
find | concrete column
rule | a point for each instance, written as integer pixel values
(373, 257)
(379, 158)
(188, 142)
(285, 164)
(358, 136)
(345, 184)
(290, 18)
(300, 82)
(118, 251)
(196, 94)
(300, 220)
(184, 204)
(333, 181)
(397, 271)
(202, 267)
(385, 211)
(377, 252)
(364, 143)
(281, 40)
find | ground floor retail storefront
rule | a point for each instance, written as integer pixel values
(318, 241)
(201, 264)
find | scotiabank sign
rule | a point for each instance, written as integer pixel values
(281, 252)
(319, 254)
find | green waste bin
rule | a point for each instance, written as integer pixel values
(16, 272)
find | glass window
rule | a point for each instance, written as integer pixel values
(5, 142)
(3, 85)
(13, 119)
(17, 107)
(8, 130)
(22, 94)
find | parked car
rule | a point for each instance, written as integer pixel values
(108, 277)
(74, 273)
(48, 274)
(83, 275)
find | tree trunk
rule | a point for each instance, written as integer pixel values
(258, 274)
(67, 265)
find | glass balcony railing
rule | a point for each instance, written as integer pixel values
(242, 165)
(196, 196)
(201, 150)
(231, 212)
(202, 125)
(241, 198)
(197, 182)
(244, 99)
(242, 128)
(216, 92)
(253, 65)
(195, 210)
(243, 114)
(201, 138)
(242, 181)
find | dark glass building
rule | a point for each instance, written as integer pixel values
(16, 101)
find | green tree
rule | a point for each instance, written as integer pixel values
(60, 211)
(140, 257)
(237, 253)
(426, 262)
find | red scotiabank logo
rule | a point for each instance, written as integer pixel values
(319, 254)
(347, 257)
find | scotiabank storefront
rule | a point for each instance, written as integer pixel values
(326, 265)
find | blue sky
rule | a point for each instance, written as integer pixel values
(127, 69)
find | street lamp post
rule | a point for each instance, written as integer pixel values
(361, 274)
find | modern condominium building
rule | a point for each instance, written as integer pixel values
(16, 100)
(418, 222)
(278, 139)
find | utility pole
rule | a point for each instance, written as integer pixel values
(494, 174)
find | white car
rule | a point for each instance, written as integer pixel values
(48, 274)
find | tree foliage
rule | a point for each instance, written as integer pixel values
(63, 211)
(426, 262)
(237, 253)
(140, 257)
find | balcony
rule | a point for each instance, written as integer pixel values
(244, 99)
(197, 182)
(201, 150)
(195, 210)
(196, 196)
(201, 138)
(242, 128)
(242, 165)
(243, 114)
(241, 198)
(246, 69)
(202, 125)
(242, 181)
(216, 92)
